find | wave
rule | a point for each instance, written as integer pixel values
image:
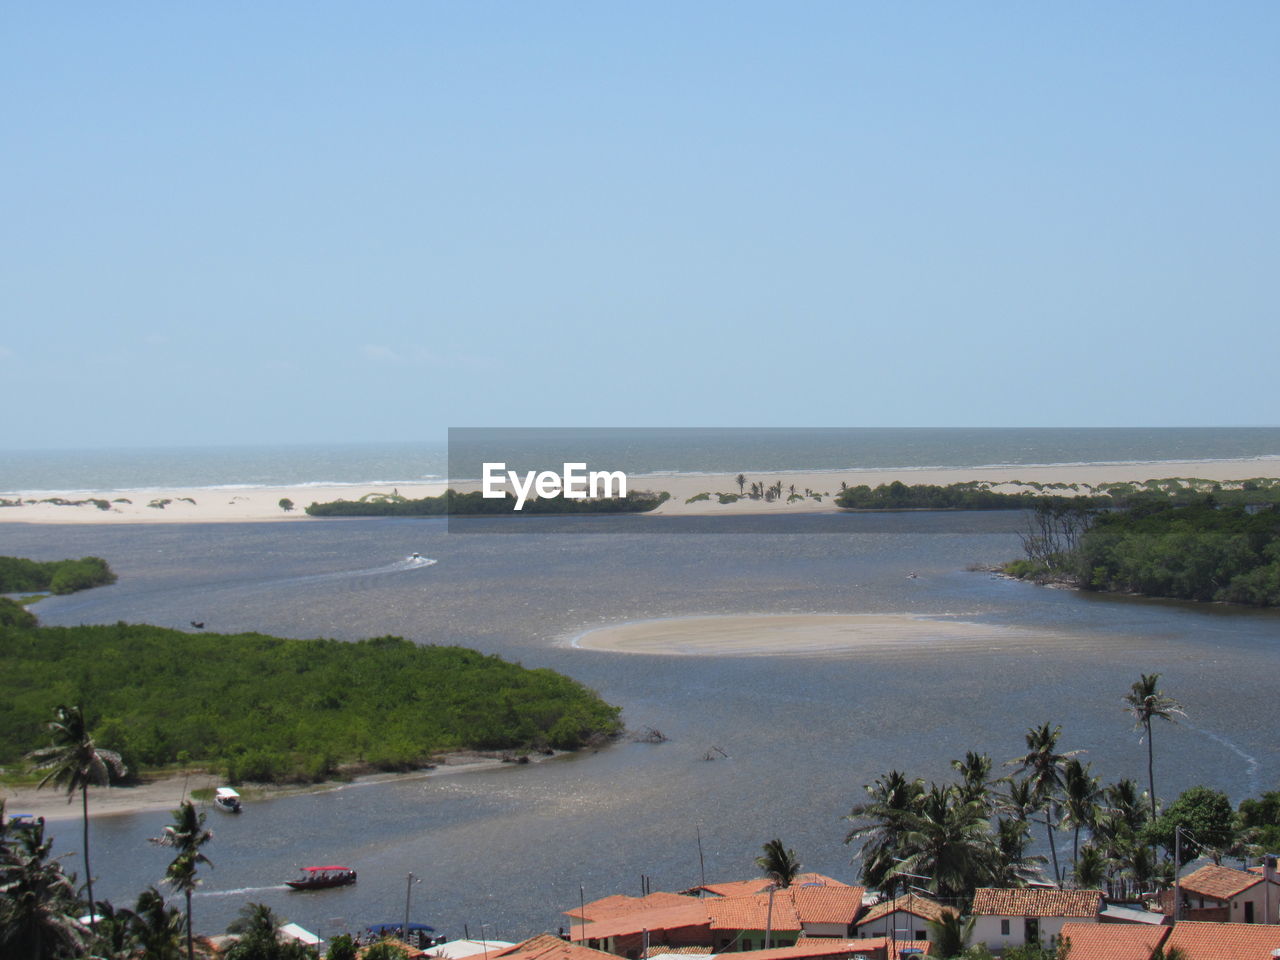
(238, 891)
(399, 566)
(1252, 767)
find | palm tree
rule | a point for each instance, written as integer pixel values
(259, 930)
(1146, 702)
(949, 934)
(1017, 867)
(881, 823)
(186, 835)
(778, 863)
(975, 777)
(1043, 765)
(1080, 795)
(38, 903)
(74, 762)
(742, 482)
(949, 840)
(157, 928)
(1090, 868)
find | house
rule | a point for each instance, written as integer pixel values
(826, 911)
(1013, 917)
(1198, 940)
(866, 948)
(629, 933)
(744, 923)
(547, 946)
(905, 918)
(1112, 941)
(1222, 894)
(742, 888)
(621, 905)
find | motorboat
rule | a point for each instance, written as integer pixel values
(319, 878)
(227, 800)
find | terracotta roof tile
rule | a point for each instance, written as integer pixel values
(1219, 883)
(654, 919)
(619, 905)
(1031, 902)
(819, 949)
(1113, 941)
(818, 903)
(741, 888)
(1222, 941)
(913, 904)
(547, 946)
(752, 913)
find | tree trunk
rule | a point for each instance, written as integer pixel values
(191, 949)
(1053, 846)
(1151, 770)
(88, 874)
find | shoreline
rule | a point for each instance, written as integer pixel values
(226, 504)
(166, 792)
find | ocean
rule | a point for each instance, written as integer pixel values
(637, 451)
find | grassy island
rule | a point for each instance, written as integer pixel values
(452, 503)
(269, 709)
(20, 575)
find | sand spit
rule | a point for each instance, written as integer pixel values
(808, 635)
(257, 504)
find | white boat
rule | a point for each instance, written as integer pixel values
(224, 798)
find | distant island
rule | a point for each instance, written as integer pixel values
(453, 503)
(20, 575)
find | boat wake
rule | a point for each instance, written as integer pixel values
(238, 891)
(399, 566)
(1251, 765)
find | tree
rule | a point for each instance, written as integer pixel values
(948, 839)
(949, 934)
(1146, 702)
(1090, 868)
(1080, 797)
(186, 835)
(157, 928)
(778, 863)
(1207, 822)
(741, 481)
(74, 762)
(38, 903)
(285, 504)
(258, 929)
(385, 950)
(975, 777)
(1043, 765)
(341, 947)
(881, 824)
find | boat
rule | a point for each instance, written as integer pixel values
(224, 798)
(318, 878)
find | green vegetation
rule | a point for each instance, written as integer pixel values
(269, 709)
(18, 575)
(972, 495)
(1198, 551)
(451, 503)
(698, 498)
(14, 614)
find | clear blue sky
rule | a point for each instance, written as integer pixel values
(315, 221)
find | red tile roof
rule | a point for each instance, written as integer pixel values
(619, 905)
(655, 920)
(1218, 883)
(752, 913)
(1222, 941)
(823, 904)
(741, 888)
(547, 946)
(913, 904)
(1113, 941)
(1030, 902)
(814, 948)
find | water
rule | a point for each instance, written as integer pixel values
(633, 450)
(504, 851)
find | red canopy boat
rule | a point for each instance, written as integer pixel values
(317, 878)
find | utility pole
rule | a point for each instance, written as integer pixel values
(408, 890)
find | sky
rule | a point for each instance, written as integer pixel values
(322, 222)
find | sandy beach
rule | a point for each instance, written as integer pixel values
(803, 635)
(167, 792)
(262, 504)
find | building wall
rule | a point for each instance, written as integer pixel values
(900, 925)
(987, 930)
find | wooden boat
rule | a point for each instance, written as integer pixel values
(227, 800)
(319, 878)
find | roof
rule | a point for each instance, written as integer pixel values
(458, 949)
(823, 948)
(818, 903)
(1218, 883)
(313, 869)
(1113, 941)
(1028, 902)
(547, 946)
(914, 904)
(621, 905)
(752, 913)
(1123, 914)
(302, 935)
(692, 914)
(1222, 941)
(741, 888)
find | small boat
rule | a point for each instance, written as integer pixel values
(415, 555)
(318, 878)
(226, 799)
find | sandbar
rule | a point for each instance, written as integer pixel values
(807, 635)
